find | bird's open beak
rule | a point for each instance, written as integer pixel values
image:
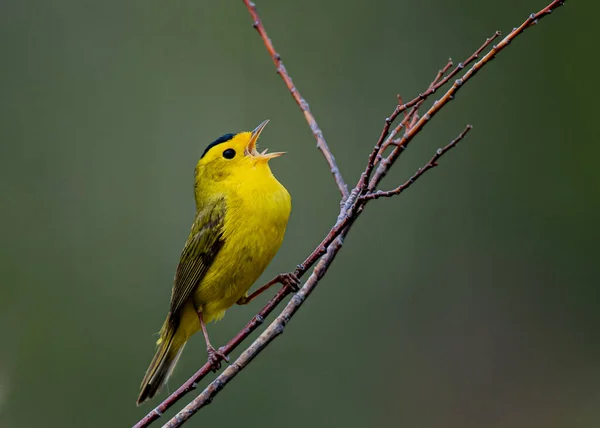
(251, 147)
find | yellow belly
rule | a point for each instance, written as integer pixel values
(253, 232)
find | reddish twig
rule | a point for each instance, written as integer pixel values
(429, 165)
(442, 72)
(437, 83)
(414, 104)
(354, 204)
(458, 83)
(281, 70)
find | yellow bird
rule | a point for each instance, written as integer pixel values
(241, 215)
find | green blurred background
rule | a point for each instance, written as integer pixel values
(470, 301)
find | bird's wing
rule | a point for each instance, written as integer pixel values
(203, 244)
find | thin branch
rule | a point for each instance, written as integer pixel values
(440, 74)
(281, 70)
(429, 165)
(351, 208)
(437, 83)
(458, 83)
(414, 104)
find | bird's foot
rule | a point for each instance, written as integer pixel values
(289, 280)
(215, 357)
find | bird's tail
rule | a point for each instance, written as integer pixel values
(168, 351)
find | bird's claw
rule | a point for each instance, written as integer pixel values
(215, 357)
(290, 280)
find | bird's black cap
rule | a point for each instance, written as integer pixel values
(218, 141)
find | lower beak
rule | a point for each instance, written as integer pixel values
(268, 156)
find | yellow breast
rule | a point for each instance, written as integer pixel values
(257, 212)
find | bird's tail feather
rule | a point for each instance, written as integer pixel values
(162, 365)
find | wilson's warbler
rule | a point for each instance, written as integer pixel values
(241, 215)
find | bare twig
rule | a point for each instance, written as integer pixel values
(281, 70)
(414, 104)
(437, 83)
(429, 165)
(353, 205)
(458, 83)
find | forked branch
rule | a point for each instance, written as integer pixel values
(431, 164)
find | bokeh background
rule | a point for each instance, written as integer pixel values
(470, 301)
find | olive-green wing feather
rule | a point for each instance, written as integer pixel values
(203, 244)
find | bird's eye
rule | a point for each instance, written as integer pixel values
(229, 154)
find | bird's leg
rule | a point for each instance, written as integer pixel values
(287, 279)
(214, 356)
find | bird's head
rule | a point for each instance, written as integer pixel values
(234, 155)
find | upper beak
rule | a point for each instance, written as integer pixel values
(251, 148)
